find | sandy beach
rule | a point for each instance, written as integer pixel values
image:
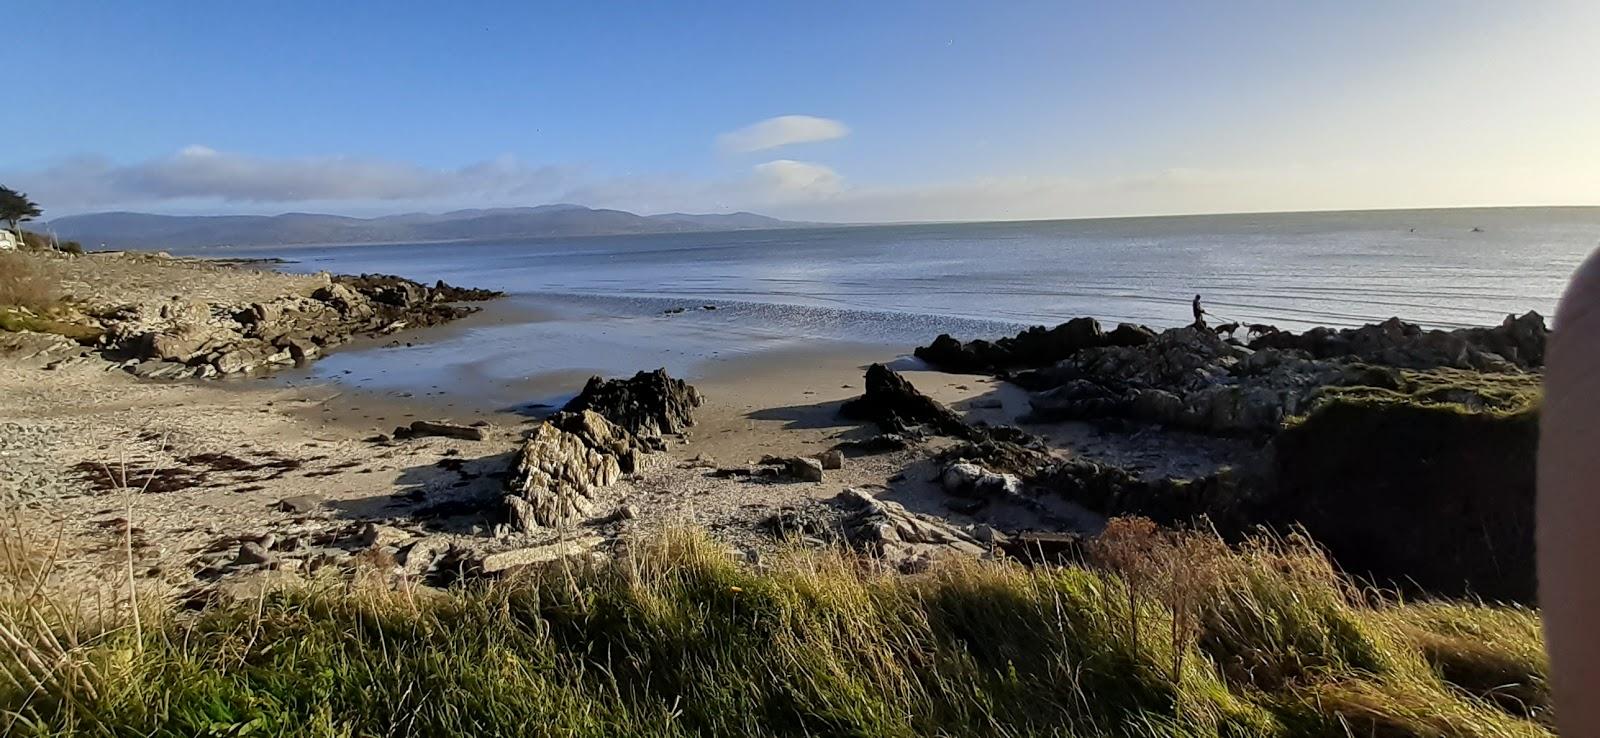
(230, 420)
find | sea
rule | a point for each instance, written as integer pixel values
(693, 301)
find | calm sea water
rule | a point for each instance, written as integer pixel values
(596, 303)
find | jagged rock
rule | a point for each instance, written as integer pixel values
(896, 406)
(650, 404)
(831, 459)
(562, 463)
(899, 536)
(599, 433)
(966, 479)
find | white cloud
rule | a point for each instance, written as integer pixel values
(787, 178)
(199, 173)
(781, 131)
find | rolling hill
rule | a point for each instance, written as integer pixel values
(143, 230)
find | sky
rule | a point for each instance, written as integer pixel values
(876, 111)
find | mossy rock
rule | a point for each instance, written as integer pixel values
(1431, 486)
(16, 321)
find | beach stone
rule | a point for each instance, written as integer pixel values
(301, 503)
(796, 467)
(252, 553)
(806, 470)
(966, 479)
(450, 430)
(373, 534)
(831, 459)
(170, 347)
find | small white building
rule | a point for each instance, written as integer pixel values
(8, 240)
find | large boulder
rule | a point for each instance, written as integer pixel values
(896, 406)
(650, 404)
(561, 465)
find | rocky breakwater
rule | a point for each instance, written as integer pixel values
(1408, 452)
(598, 437)
(190, 339)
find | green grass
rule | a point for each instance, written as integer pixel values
(675, 638)
(1457, 390)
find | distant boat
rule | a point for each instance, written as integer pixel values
(1476, 229)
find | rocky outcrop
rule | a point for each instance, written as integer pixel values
(1429, 486)
(1435, 495)
(899, 408)
(1189, 378)
(903, 539)
(1517, 343)
(1034, 347)
(560, 466)
(649, 405)
(199, 339)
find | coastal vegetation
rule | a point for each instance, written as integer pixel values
(1158, 633)
(489, 580)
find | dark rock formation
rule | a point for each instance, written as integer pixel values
(650, 404)
(1034, 347)
(899, 408)
(1517, 343)
(1190, 378)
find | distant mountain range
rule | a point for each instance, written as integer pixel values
(142, 230)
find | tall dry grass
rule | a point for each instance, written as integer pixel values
(675, 638)
(27, 282)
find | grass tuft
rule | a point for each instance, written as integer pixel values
(675, 638)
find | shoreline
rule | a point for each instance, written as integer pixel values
(324, 465)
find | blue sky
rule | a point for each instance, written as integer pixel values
(897, 111)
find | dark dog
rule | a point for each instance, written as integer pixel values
(1260, 329)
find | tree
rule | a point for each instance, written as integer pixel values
(15, 207)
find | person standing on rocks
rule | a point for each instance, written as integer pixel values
(1199, 314)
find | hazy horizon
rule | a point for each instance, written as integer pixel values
(870, 114)
(1119, 216)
